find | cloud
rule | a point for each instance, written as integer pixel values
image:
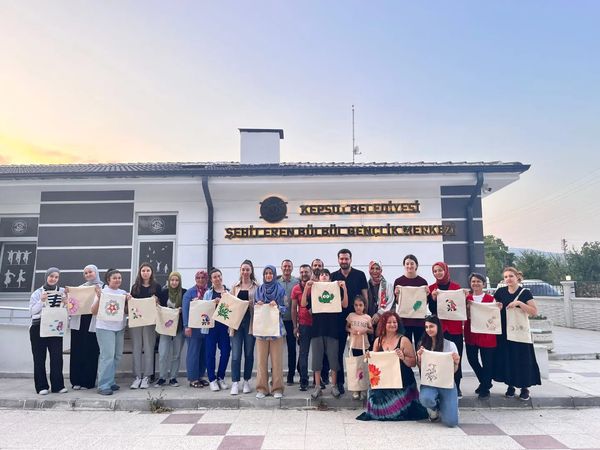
(18, 151)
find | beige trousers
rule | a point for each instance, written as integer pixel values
(274, 349)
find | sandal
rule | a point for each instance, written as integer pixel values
(196, 384)
(203, 382)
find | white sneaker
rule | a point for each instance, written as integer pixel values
(234, 388)
(63, 391)
(76, 387)
(246, 389)
(43, 392)
(136, 383)
(145, 384)
(434, 415)
(222, 384)
(260, 395)
(277, 395)
(214, 386)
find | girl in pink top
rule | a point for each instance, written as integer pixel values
(358, 325)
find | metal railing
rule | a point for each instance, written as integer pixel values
(14, 315)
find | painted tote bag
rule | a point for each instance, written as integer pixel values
(80, 300)
(384, 370)
(326, 297)
(111, 307)
(437, 369)
(230, 310)
(265, 322)
(452, 305)
(357, 370)
(517, 326)
(412, 302)
(167, 320)
(201, 313)
(485, 318)
(142, 312)
(53, 322)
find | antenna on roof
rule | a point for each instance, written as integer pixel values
(355, 149)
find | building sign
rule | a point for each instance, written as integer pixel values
(310, 231)
(157, 225)
(18, 227)
(360, 208)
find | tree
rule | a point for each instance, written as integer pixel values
(497, 257)
(584, 265)
(542, 266)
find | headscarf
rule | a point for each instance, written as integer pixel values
(272, 290)
(382, 292)
(97, 281)
(201, 290)
(446, 278)
(53, 287)
(175, 294)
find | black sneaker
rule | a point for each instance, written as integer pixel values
(290, 382)
(524, 395)
(115, 387)
(303, 387)
(510, 392)
(458, 392)
(478, 390)
(484, 394)
(323, 385)
(173, 382)
(161, 382)
(341, 389)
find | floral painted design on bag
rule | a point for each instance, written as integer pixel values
(205, 320)
(518, 328)
(224, 311)
(135, 313)
(431, 373)
(374, 375)
(57, 326)
(72, 305)
(451, 305)
(491, 324)
(326, 297)
(112, 308)
(169, 323)
(417, 305)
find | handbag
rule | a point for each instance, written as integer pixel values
(412, 302)
(201, 313)
(437, 369)
(326, 297)
(384, 370)
(265, 322)
(167, 320)
(357, 370)
(452, 305)
(80, 300)
(230, 310)
(485, 318)
(142, 312)
(53, 322)
(111, 307)
(517, 324)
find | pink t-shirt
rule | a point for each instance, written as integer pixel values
(360, 324)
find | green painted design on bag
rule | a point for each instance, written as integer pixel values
(326, 297)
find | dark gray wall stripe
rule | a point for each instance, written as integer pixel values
(461, 230)
(78, 259)
(459, 254)
(456, 190)
(86, 213)
(85, 236)
(86, 195)
(456, 207)
(76, 278)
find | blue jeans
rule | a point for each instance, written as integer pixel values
(444, 400)
(111, 350)
(217, 336)
(169, 353)
(242, 337)
(196, 356)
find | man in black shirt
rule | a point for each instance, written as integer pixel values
(356, 284)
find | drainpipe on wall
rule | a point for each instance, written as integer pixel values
(470, 224)
(211, 217)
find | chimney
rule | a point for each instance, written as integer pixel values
(260, 145)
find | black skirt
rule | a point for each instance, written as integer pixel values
(84, 355)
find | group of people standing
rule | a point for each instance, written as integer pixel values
(368, 322)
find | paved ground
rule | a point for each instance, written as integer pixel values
(295, 429)
(572, 343)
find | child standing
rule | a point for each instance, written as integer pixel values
(358, 325)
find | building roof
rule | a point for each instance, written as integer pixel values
(236, 169)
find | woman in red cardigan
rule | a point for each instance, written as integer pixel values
(453, 329)
(478, 343)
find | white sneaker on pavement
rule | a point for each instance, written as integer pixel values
(214, 386)
(145, 384)
(260, 395)
(63, 391)
(222, 384)
(247, 389)
(136, 383)
(43, 392)
(234, 388)
(277, 395)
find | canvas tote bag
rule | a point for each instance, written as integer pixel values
(437, 369)
(111, 307)
(230, 310)
(452, 305)
(142, 312)
(485, 318)
(357, 370)
(517, 324)
(384, 370)
(80, 300)
(326, 297)
(412, 302)
(167, 320)
(266, 321)
(53, 321)
(201, 313)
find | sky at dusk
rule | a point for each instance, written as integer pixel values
(432, 81)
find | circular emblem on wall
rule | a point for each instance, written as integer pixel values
(157, 225)
(273, 209)
(19, 227)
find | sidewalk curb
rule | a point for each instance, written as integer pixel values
(573, 356)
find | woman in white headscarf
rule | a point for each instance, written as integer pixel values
(84, 346)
